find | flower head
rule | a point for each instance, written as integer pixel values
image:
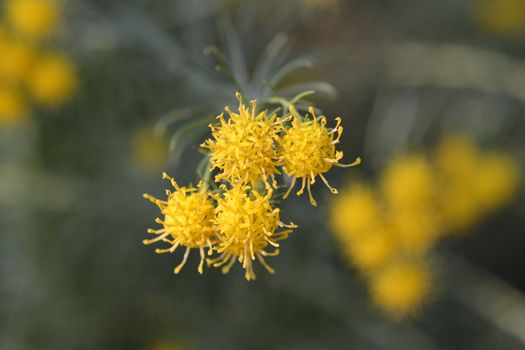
(13, 108)
(16, 61)
(408, 182)
(497, 180)
(246, 225)
(355, 211)
(401, 287)
(416, 229)
(34, 18)
(308, 150)
(457, 160)
(188, 221)
(53, 79)
(243, 147)
(372, 251)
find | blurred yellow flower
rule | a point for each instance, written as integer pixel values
(401, 288)
(148, 150)
(53, 79)
(501, 17)
(308, 150)
(416, 229)
(496, 180)
(408, 182)
(371, 251)
(457, 160)
(33, 18)
(188, 221)
(244, 146)
(13, 108)
(246, 225)
(354, 211)
(16, 61)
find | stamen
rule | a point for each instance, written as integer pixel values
(333, 190)
(156, 239)
(300, 192)
(355, 163)
(181, 265)
(226, 268)
(292, 185)
(170, 249)
(201, 263)
(276, 245)
(265, 264)
(173, 182)
(274, 253)
(312, 200)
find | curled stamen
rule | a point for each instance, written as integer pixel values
(355, 163)
(184, 259)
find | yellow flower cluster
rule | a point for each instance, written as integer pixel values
(387, 231)
(27, 70)
(473, 183)
(237, 220)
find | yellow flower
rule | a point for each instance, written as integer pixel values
(16, 61)
(372, 251)
(308, 150)
(408, 181)
(244, 146)
(53, 79)
(34, 18)
(355, 211)
(458, 161)
(501, 17)
(13, 108)
(246, 225)
(457, 158)
(401, 288)
(188, 221)
(148, 151)
(496, 180)
(417, 229)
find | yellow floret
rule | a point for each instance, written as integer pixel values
(416, 229)
(371, 251)
(355, 211)
(401, 288)
(308, 150)
(246, 225)
(243, 147)
(33, 18)
(16, 60)
(408, 181)
(188, 221)
(53, 80)
(496, 180)
(13, 108)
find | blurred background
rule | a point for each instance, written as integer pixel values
(98, 97)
